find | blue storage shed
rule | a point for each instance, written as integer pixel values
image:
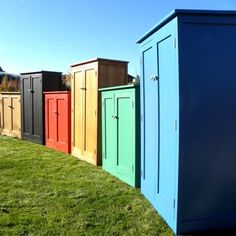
(188, 119)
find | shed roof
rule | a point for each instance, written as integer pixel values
(178, 12)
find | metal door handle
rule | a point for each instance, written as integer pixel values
(55, 112)
(115, 117)
(154, 77)
(83, 88)
(10, 106)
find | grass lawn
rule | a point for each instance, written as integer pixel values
(44, 192)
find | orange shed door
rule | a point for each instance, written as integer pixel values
(90, 113)
(85, 114)
(7, 119)
(16, 116)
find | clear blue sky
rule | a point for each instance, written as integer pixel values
(52, 34)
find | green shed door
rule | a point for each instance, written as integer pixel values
(125, 127)
(108, 132)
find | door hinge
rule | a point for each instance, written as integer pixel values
(176, 125)
(141, 117)
(95, 112)
(174, 42)
(96, 73)
(141, 60)
(132, 167)
(132, 104)
(95, 151)
(141, 173)
(72, 110)
(174, 203)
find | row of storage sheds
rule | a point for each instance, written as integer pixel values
(71, 121)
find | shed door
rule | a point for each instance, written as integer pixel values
(7, 114)
(125, 130)
(78, 107)
(108, 132)
(62, 119)
(168, 110)
(149, 124)
(15, 101)
(90, 115)
(51, 119)
(27, 107)
(159, 134)
(36, 97)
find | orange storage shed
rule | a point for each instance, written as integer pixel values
(58, 120)
(87, 78)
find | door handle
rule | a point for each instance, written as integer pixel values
(154, 77)
(10, 106)
(30, 90)
(114, 116)
(54, 112)
(83, 88)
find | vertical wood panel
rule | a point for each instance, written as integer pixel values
(78, 109)
(7, 118)
(90, 113)
(62, 119)
(16, 113)
(26, 106)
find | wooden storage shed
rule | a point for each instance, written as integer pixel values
(58, 120)
(10, 114)
(188, 128)
(33, 84)
(120, 132)
(87, 78)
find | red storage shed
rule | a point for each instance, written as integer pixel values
(58, 120)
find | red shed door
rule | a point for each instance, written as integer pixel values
(62, 122)
(51, 120)
(57, 121)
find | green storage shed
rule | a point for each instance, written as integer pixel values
(120, 132)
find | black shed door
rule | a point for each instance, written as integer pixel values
(26, 106)
(32, 117)
(36, 98)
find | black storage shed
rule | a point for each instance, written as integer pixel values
(33, 84)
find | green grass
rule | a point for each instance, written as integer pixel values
(44, 192)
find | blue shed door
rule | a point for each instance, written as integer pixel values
(149, 124)
(159, 150)
(167, 158)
